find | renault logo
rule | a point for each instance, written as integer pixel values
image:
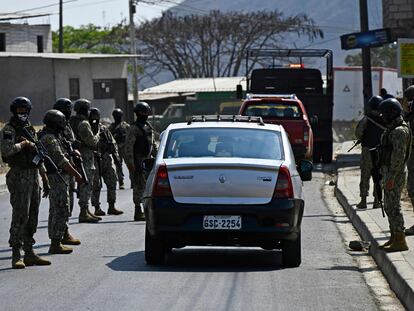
(222, 179)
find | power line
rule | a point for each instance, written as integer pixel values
(40, 7)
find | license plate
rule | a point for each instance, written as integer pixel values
(222, 222)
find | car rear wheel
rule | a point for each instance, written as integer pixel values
(291, 253)
(154, 249)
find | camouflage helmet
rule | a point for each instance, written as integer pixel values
(409, 93)
(55, 120)
(82, 106)
(94, 114)
(20, 102)
(142, 109)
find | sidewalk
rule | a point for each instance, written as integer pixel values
(3, 187)
(398, 268)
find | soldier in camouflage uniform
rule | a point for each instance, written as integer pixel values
(88, 144)
(65, 106)
(409, 117)
(139, 145)
(105, 166)
(119, 130)
(50, 136)
(23, 183)
(394, 152)
(368, 132)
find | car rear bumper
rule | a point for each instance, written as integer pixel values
(182, 224)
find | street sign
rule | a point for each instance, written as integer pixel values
(367, 39)
(405, 58)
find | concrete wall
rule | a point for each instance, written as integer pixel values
(87, 70)
(30, 77)
(23, 37)
(399, 16)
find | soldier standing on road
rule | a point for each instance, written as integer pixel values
(88, 143)
(119, 130)
(23, 183)
(65, 106)
(394, 152)
(408, 107)
(104, 166)
(368, 132)
(139, 145)
(50, 136)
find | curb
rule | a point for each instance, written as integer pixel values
(397, 282)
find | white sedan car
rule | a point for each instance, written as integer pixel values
(224, 181)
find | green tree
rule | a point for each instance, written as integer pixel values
(383, 56)
(92, 39)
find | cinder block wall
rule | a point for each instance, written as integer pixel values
(399, 16)
(23, 37)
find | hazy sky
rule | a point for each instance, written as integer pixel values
(99, 12)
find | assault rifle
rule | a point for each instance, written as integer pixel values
(376, 175)
(110, 148)
(77, 162)
(42, 156)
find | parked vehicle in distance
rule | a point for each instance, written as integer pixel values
(224, 181)
(288, 111)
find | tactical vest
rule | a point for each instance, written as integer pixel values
(371, 136)
(386, 147)
(143, 142)
(22, 159)
(74, 123)
(119, 133)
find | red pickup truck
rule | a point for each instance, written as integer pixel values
(286, 110)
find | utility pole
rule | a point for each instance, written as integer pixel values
(133, 50)
(366, 56)
(60, 26)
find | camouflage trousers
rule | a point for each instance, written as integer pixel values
(24, 188)
(72, 191)
(392, 203)
(366, 167)
(410, 177)
(109, 177)
(85, 189)
(59, 206)
(140, 179)
(119, 171)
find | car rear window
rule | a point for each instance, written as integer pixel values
(224, 143)
(274, 110)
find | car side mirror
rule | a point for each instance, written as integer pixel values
(239, 91)
(305, 168)
(148, 164)
(313, 120)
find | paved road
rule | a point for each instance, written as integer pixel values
(108, 272)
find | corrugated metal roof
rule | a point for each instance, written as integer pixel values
(226, 84)
(158, 96)
(67, 55)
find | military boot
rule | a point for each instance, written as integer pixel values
(362, 204)
(388, 243)
(85, 217)
(398, 244)
(112, 210)
(99, 211)
(56, 247)
(409, 231)
(32, 259)
(121, 186)
(17, 262)
(68, 239)
(138, 215)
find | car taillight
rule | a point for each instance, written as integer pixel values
(305, 134)
(162, 185)
(284, 188)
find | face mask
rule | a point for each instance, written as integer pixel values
(142, 118)
(118, 119)
(22, 117)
